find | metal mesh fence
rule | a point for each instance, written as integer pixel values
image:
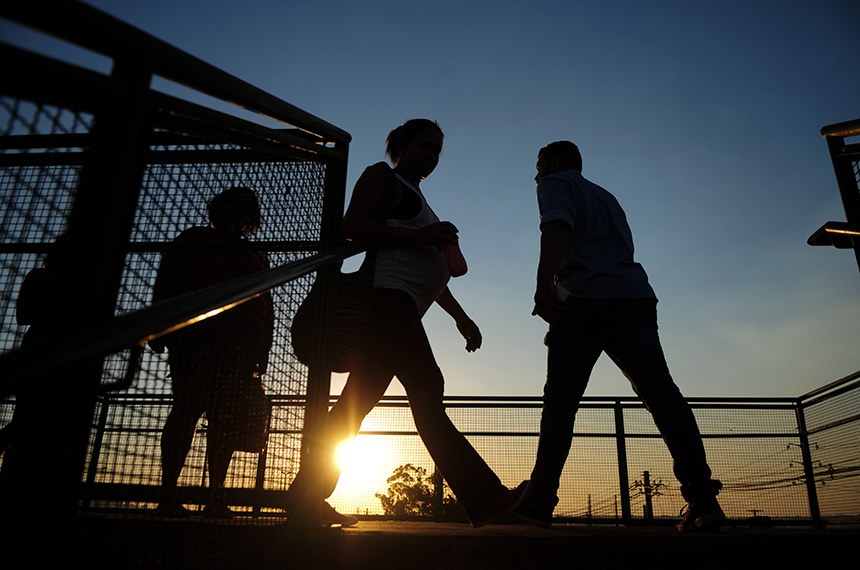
(36, 195)
(833, 422)
(754, 447)
(38, 183)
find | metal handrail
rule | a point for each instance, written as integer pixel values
(828, 389)
(843, 129)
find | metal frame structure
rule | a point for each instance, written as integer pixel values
(846, 166)
(109, 133)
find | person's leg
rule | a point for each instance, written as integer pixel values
(475, 485)
(232, 392)
(637, 350)
(574, 343)
(220, 452)
(319, 472)
(176, 438)
(219, 462)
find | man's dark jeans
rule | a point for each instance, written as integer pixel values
(626, 329)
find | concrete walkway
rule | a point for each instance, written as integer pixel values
(149, 542)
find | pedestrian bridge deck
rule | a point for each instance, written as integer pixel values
(150, 542)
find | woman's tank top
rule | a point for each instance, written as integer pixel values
(419, 270)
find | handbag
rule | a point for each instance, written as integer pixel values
(353, 312)
(251, 426)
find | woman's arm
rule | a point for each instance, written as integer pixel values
(361, 221)
(467, 327)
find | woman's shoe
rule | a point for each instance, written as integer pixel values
(329, 516)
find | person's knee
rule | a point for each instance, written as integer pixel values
(657, 390)
(562, 394)
(428, 412)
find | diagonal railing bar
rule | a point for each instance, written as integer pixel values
(139, 327)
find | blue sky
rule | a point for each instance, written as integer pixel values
(702, 118)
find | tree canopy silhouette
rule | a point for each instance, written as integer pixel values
(411, 492)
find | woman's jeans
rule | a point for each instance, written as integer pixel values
(399, 347)
(626, 330)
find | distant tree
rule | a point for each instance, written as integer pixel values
(411, 493)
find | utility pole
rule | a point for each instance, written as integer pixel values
(588, 513)
(649, 490)
(649, 507)
(616, 510)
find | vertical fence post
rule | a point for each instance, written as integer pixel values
(97, 444)
(260, 483)
(99, 228)
(623, 475)
(319, 373)
(808, 471)
(438, 493)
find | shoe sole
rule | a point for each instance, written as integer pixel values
(710, 523)
(521, 491)
(342, 523)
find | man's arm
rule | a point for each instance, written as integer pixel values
(554, 238)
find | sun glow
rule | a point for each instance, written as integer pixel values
(360, 459)
(366, 462)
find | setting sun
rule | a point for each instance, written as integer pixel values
(360, 459)
(366, 462)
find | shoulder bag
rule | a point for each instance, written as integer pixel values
(353, 311)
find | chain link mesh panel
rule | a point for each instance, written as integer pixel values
(38, 181)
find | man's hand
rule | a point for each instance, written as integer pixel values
(554, 238)
(547, 304)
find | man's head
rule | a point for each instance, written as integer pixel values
(558, 156)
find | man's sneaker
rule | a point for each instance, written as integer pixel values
(707, 516)
(528, 512)
(505, 504)
(329, 516)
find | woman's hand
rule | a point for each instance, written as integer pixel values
(471, 333)
(440, 233)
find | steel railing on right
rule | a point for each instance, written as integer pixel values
(829, 419)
